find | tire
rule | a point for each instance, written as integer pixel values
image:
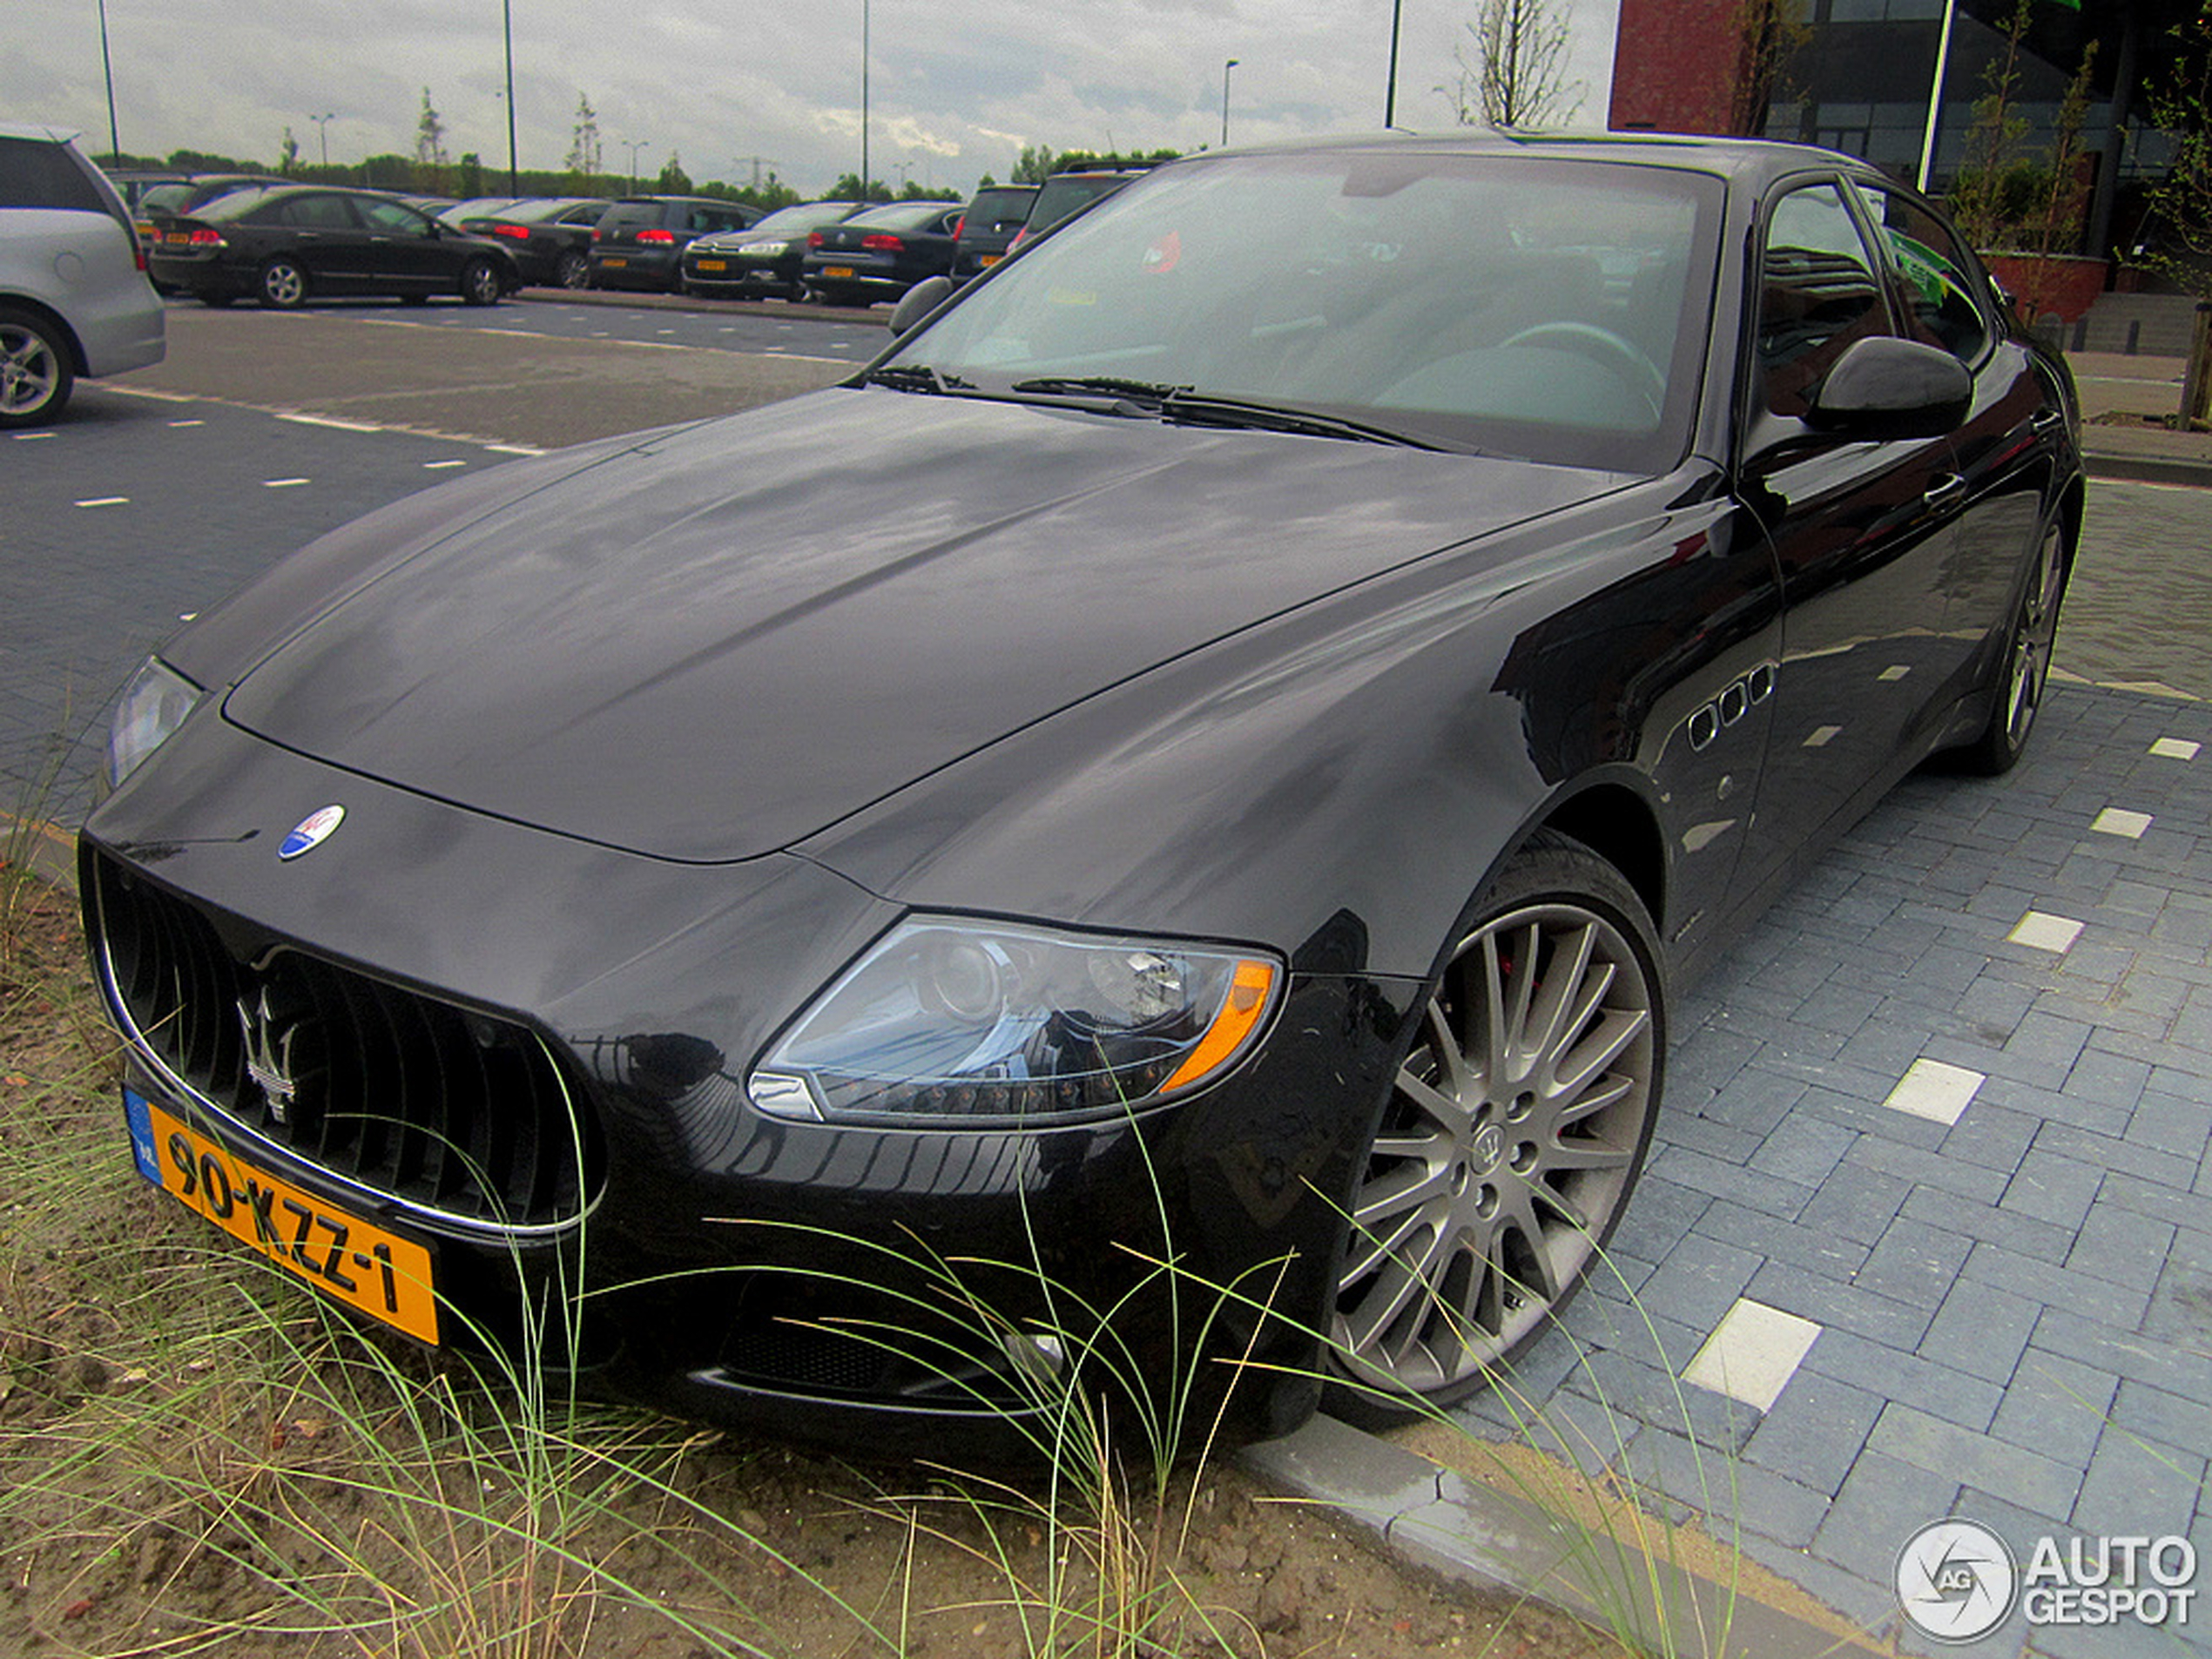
(2023, 672)
(1511, 1139)
(481, 283)
(572, 270)
(282, 285)
(35, 374)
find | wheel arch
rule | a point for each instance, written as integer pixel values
(53, 319)
(1619, 825)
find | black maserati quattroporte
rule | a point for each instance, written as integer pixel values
(1159, 820)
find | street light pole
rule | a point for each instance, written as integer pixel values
(1390, 92)
(634, 145)
(114, 143)
(1225, 68)
(864, 100)
(322, 130)
(506, 24)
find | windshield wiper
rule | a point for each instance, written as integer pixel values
(1189, 409)
(915, 377)
(1097, 385)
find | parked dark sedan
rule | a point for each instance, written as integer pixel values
(639, 241)
(764, 257)
(987, 227)
(1218, 749)
(880, 253)
(285, 246)
(551, 239)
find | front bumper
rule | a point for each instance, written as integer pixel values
(809, 1277)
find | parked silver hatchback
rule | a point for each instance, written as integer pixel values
(75, 300)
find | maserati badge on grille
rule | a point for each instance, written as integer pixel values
(268, 1054)
(311, 831)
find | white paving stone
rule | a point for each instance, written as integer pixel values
(1938, 1092)
(1753, 1354)
(2041, 932)
(2115, 821)
(2176, 749)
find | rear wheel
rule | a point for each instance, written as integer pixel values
(2026, 669)
(283, 284)
(481, 283)
(572, 270)
(35, 373)
(1512, 1138)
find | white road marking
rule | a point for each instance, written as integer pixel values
(440, 466)
(282, 483)
(158, 397)
(333, 422)
(106, 501)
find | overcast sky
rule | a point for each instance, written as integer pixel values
(956, 87)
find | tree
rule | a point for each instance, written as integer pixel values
(673, 181)
(289, 154)
(584, 149)
(2181, 203)
(1771, 33)
(1035, 165)
(429, 147)
(1518, 75)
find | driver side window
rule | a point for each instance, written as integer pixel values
(1818, 292)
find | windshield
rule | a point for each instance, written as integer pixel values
(1551, 309)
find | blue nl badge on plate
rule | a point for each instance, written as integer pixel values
(142, 1147)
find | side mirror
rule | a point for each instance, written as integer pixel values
(917, 302)
(1886, 387)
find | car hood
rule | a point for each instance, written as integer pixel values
(725, 638)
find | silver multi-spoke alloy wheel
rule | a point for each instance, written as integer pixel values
(1513, 1135)
(35, 374)
(283, 285)
(481, 283)
(2033, 636)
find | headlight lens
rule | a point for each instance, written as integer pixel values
(154, 705)
(960, 1021)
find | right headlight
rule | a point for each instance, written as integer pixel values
(962, 1021)
(154, 704)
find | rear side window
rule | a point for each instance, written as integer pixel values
(35, 172)
(1934, 277)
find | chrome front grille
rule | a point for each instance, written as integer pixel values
(451, 1112)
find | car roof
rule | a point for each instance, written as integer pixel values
(35, 132)
(1752, 159)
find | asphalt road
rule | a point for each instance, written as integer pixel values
(538, 374)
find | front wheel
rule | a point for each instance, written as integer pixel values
(2026, 666)
(1511, 1139)
(481, 283)
(283, 284)
(35, 373)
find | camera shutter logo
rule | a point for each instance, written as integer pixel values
(1956, 1580)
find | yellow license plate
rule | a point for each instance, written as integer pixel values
(614, 262)
(713, 265)
(837, 271)
(989, 259)
(384, 1276)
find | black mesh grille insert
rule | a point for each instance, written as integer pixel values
(437, 1105)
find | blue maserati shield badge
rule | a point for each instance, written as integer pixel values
(311, 831)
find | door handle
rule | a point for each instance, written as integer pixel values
(2045, 423)
(1945, 493)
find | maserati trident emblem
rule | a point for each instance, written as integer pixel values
(311, 832)
(268, 1054)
